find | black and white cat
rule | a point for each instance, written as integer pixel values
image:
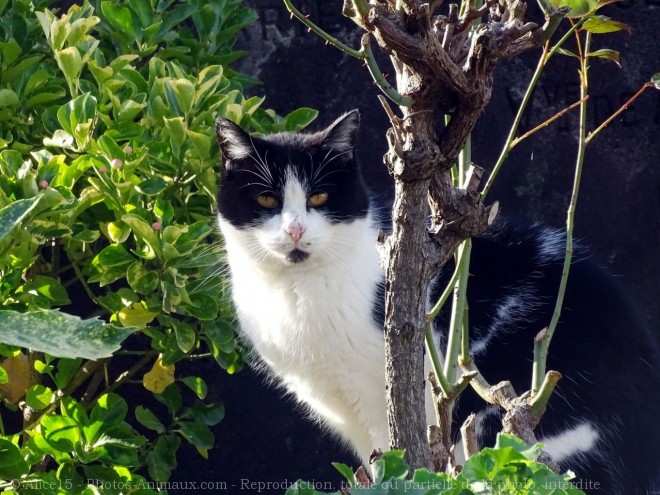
(300, 233)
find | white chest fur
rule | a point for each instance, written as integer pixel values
(312, 325)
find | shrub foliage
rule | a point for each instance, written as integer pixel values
(107, 245)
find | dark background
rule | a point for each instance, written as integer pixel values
(264, 437)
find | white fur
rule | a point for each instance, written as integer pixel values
(578, 440)
(551, 245)
(514, 308)
(311, 322)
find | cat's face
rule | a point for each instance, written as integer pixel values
(291, 199)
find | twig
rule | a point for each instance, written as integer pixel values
(379, 78)
(546, 123)
(623, 108)
(541, 355)
(127, 375)
(313, 27)
(456, 325)
(364, 53)
(543, 60)
(85, 371)
(443, 383)
(539, 401)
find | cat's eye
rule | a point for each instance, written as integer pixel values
(317, 199)
(267, 201)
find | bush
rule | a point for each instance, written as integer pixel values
(107, 182)
(508, 469)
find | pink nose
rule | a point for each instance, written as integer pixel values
(295, 231)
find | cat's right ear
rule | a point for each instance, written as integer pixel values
(234, 142)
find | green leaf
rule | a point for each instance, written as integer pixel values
(140, 279)
(578, 8)
(180, 95)
(60, 432)
(171, 397)
(204, 307)
(50, 288)
(299, 119)
(66, 370)
(143, 9)
(70, 63)
(117, 232)
(598, 24)
(390, 466)
(176, 16)
(201, 142)
(655, 80)
(176, 127)
(60, 139)
(129, 110)
(4, 377)
(162, 459)
(8, 98)
(152, 186)
(113, 255)
(38, 397)
(608, 54)
(61, 335)
(110, 409)
(345, 471)
(9, 51)
(142, 230)
(121, 18)
(12, 465)
(209, 414)
(197, 434)
(12, 214)
(219, 332)
(185, 335)
(148, 419)
(197, 385)
(566, 52)
(42, 367)
(135, 315)
(505, 440)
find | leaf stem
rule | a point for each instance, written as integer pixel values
(364, 53)
(543, 60)
(556, 116)
(431, 348)
(516, 123)
(313, 27)
(456, 324)
(379, 77)
(623, 108)
(541, 354)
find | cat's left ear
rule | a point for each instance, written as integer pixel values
(234, 142)
(341, 135)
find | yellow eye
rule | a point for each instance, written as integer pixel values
(317, 199)
(267, 201)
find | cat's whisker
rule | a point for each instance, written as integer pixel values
(324, 176)
(260, 176)
(261, 160)
(321, 166)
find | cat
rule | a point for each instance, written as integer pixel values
(300, 229)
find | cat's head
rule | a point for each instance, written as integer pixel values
(291, 199)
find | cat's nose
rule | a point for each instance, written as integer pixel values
(295, 231)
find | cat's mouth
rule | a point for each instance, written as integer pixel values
(297, 256)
